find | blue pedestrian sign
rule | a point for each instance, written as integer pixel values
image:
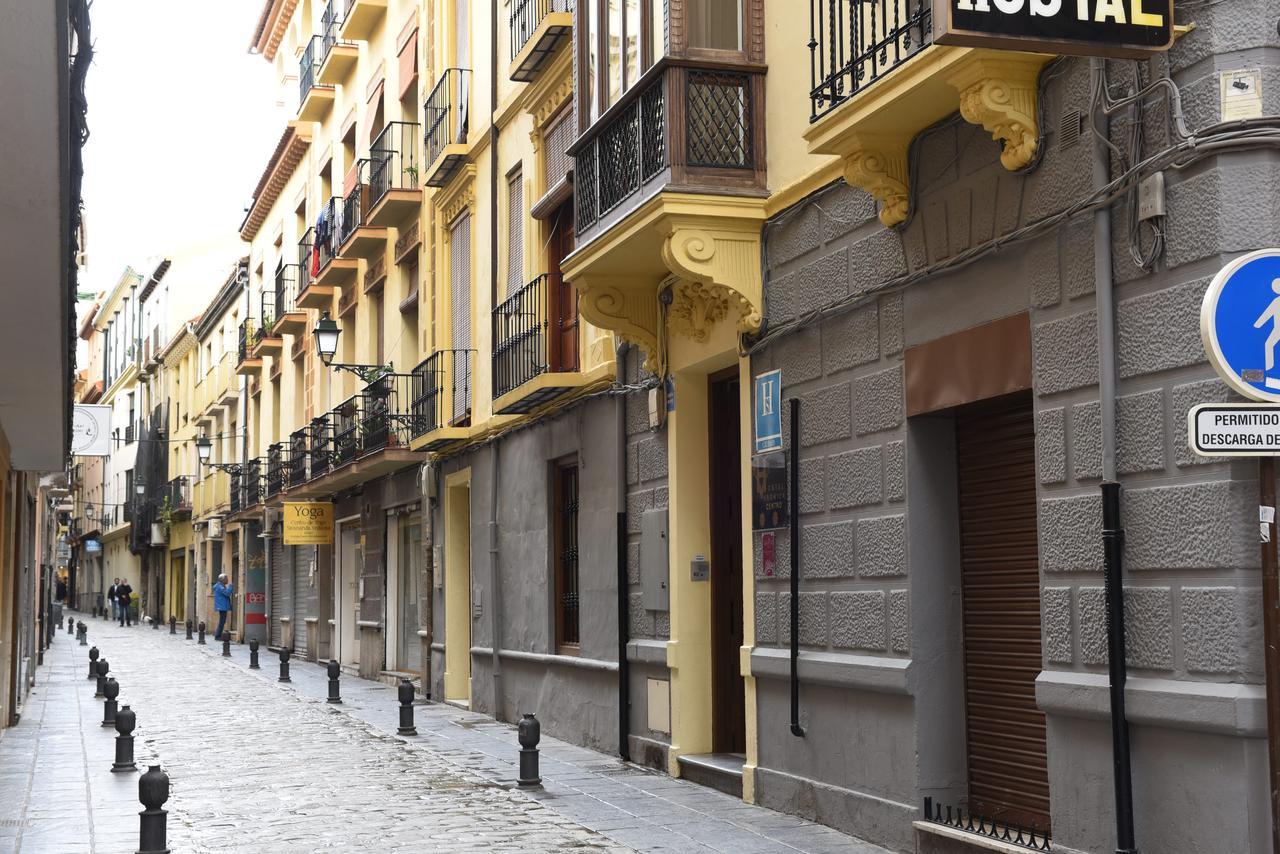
(1240, 324)
(768, 412)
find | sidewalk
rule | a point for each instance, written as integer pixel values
(250, 755)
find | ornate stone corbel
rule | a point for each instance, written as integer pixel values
(1001, 94)
(697, 307)
(628, 307)
(720, 269)
(877, 163)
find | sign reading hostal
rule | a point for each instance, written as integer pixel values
(1134, 28)
(308, 523)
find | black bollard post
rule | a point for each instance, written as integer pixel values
(253, 654)
(201, 633)
(153, 791)
(530, 733)
(284, 665)
(405, 692)
(126, 720)
(188, 630)
(103, 668)
(93, 662)
(226, 644)
(334, 671)
(173, 625)
(84, 635)
(70, 623)
(109, 705)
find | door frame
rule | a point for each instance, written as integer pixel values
(457, 587)
(338, 647)
(725, 693)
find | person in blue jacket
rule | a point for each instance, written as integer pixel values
(222, 593)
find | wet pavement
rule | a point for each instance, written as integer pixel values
(256, 765)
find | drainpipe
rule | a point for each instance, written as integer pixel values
(495, 583)
(426, 615)
(1112, 532)
(624, 625)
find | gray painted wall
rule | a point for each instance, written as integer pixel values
(878, 595)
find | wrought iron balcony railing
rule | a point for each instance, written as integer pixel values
(326, 234)
(354, 205)
(176, 495)
(853, 43)
(267, 304)
(345, 419)
(237, 493)
(307, 268)
(251, 482)
(441, 392)
(319, 436)
(395, 160)
(250, 333)
(527, 14)
(297, 466)
(286, 290)
(275, 470)
(330, 23)
(309, 66)
(681, 125)
(520, 337)
(445, 117)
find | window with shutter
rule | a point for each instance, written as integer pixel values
(515, 233)
(557, 137)
(460, 282)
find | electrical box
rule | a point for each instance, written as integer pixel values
(654, 544)
(699, 568)
(1151, 197)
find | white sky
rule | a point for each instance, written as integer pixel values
(182, 121)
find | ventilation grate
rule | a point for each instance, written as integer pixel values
(1070, 128)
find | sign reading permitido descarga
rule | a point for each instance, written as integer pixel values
(1132, 28)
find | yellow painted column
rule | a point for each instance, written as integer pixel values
(745, 413)
(689, 649)
(457, 586)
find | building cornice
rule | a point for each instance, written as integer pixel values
(284, 161)
(221, 303)
(272, 23)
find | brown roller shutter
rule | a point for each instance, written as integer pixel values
(995, 449)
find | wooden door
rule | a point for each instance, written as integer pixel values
(563, 299)
(1000, 581)
(728, 697)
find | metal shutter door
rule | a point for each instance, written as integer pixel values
(279, 601)
(995, 449)
(302, 556)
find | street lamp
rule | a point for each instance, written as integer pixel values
(326, 334)
(140, 487)
(89, 512)
(203, 449)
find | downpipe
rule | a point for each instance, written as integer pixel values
(495, 583)
(624, 617)
(1112, 532)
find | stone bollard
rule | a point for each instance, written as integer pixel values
(93, 662)
(253, 654)
(84, 635)
(530, 733)
(70, 624)
(126, 721)
(334, 672)
(188, 630)
(103, 668)
(109, 705)
(153, 791)
(226, 644)
(201, 633)
(284, 665)
(405, 692)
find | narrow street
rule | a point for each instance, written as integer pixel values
(256, 765)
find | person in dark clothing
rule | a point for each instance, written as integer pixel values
(111, 598)
(124, 593)
(61, 594)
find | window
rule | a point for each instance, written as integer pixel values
(515, 233)
(460, 280)
(565, 554)
(558, 136)
(715, 24)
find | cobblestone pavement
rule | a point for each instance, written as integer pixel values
(256, 765)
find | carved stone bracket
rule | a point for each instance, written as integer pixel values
(696, 308)
(1000, 94)
(878, 164)
(629, 307)
(720, 266)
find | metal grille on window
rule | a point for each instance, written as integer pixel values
(619, 159)
(557, 137)
(653, 124)
(568, 558)
(460, 276)
(515, 233)
(584, 182)
(719, 120)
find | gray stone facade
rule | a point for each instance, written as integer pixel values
(875, 587)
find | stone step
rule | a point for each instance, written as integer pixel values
(721, 771)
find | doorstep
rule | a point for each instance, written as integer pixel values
(934, 838)
(720, 771)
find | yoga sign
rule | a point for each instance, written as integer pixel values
(308, 523)
(1121, 28)
(1240, 324)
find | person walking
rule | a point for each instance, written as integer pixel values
(222, 593)
(124, 592)
(111, 597)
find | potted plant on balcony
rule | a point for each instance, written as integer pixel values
(412, 172)
(160, 527)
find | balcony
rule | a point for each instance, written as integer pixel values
(275, 478)
(237, 494)
(175, 496)
(445, 131)
(537, 27)
(315, 100)
(319, 436)
(269, 341)
(310, 293)
(357, 238)
(684, 127)
(251, 484)
(526, 371)
(441, 400)
(395, 174)
(338, 57)
(332, 271)
(360, 18)
(877, 79)
(296, 469)
(290, 319)
(248, 362)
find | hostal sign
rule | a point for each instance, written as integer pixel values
(1133, 28)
